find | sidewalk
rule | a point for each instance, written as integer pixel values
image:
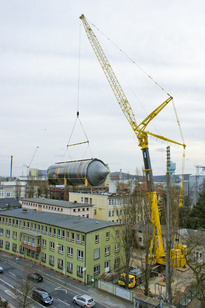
(102, 297)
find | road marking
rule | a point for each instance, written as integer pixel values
(63, 302)
(10, 293)
(12, 274)
(61, 289)
(7, 283)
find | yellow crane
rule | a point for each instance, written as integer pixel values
(157, 253)
(32, 158)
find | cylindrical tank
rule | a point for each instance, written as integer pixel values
(77, 172)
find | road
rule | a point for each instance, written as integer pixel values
(61, 289)
(62, 294)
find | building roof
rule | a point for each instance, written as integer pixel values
(76, 223)
(53, 202)
(9, 202)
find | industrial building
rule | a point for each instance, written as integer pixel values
(78, 247)
(58, 206)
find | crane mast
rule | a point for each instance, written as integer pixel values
(157, 253)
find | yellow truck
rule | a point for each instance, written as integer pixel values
(135, 278)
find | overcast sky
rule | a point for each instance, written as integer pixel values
(48, 71)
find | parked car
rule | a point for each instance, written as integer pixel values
(84, 300)
(42, 296)
(1, 269)
(35, 277)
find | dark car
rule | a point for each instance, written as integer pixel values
(42, 296)
(35, 277)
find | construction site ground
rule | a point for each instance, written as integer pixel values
(182, 279)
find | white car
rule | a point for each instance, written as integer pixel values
(84, 300)
(1, 269)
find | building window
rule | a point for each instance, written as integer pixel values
(97, 253)
(77, 238)
(52, 246)
(67, 235)
(33, 242)
(117, 262)
(96, 238)
(60, 264)
(117, 247)
(21, 250)
(70, 252)
(70, 267)
(107, 236)
(60, 248)
(28, 225)
(50, 231)
(95, 212)
(97, 269)
(14, 247)
(51, 260)
(54, 231)
(1, 231)
(80, 255)
(29, 241)
(7, 246)
(117, 233)
(72, 236)
(7, 233)
(63, 234)
(1, 244)
(81, 200)
(79, 271)
(86, 200)
(199, 256)
(109, 214)
(44, 243)
(43, 257)
(113, 213)
(83, 239)
(107, 250)
(14, 235)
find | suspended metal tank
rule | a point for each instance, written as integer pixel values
(80, 172)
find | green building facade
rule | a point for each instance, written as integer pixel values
(77, 247)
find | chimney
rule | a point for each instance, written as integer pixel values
(11, 167)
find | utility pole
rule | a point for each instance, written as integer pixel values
(168, 276)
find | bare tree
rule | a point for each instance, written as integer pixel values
(128, 220)
(196, 260)
(23, 291)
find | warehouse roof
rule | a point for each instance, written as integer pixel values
(76, 223)
(9, 203)
(54, 202)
